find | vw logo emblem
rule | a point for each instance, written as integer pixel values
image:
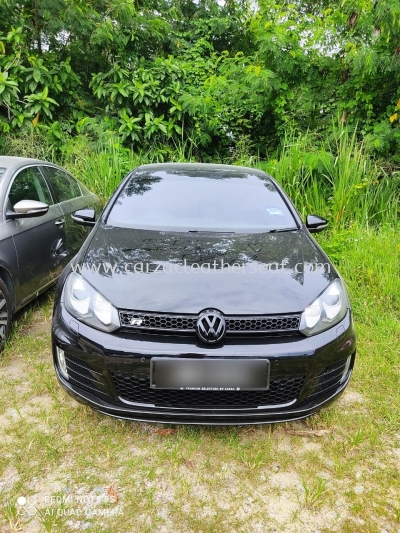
(211, 326)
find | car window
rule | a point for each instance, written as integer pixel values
(29, 185)
(64, 187)
(178, 202)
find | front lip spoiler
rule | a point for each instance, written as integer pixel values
(195, 409)
(211, 417)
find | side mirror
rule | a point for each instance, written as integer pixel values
(315, 224)
(84, 217)
(28, 209)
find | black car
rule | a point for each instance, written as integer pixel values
(201, 297)
(37, 234)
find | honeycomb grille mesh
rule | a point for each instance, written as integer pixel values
(165, 323)
(160, 322)
(283, 323)
(137, 389)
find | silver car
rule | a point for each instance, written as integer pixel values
(37, 234)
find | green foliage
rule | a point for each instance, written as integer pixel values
(213, 74)
(143, 101)
(335, 177)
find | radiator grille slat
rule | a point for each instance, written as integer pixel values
(330, 377)
(79, 374)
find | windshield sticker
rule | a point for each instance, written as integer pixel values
(275, 212)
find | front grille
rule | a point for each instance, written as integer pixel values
(168, 323)
(276, 323)
(80, 374)
(159, 322)
(137, 389)
(330, 377)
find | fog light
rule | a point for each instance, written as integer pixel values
(346, 369)
(62, 364)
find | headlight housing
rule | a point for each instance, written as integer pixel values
(326, 310)
(87, 305)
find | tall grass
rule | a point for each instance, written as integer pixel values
(100, 166)
(103, 164)
(337, 179)
(334, 177)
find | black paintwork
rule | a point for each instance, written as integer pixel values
(316, 224)
(85, 217)
(244, 290)
(247, 291)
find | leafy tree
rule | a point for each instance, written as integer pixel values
(222, 74)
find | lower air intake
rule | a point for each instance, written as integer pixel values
(137, 389)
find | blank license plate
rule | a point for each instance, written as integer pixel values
(209, 374)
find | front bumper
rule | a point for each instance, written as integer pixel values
(99, 362)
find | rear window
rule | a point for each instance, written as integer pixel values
(174, 202)
(64, 186)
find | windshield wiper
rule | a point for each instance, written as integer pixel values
(282, 229)
(208, 231)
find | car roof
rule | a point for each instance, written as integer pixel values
(11, 162)
(204, 167)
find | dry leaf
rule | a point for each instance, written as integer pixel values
(112, 494)
(188, 464)
(36, 120)
(164, 431)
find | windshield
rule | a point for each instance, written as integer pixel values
(168, 201)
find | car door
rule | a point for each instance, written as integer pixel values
(68, 194)
(39, 241)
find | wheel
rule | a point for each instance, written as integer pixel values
(5, 314)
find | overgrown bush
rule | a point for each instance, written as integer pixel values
(161, 73)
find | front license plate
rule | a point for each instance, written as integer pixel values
(209, 374)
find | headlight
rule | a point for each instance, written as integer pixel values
(326, 311)
(87, 305)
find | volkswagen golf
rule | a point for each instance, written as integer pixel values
(201, 297)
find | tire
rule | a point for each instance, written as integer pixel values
(5, 314)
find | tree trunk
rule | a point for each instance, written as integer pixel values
(37, 27)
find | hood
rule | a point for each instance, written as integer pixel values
(266, 273)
